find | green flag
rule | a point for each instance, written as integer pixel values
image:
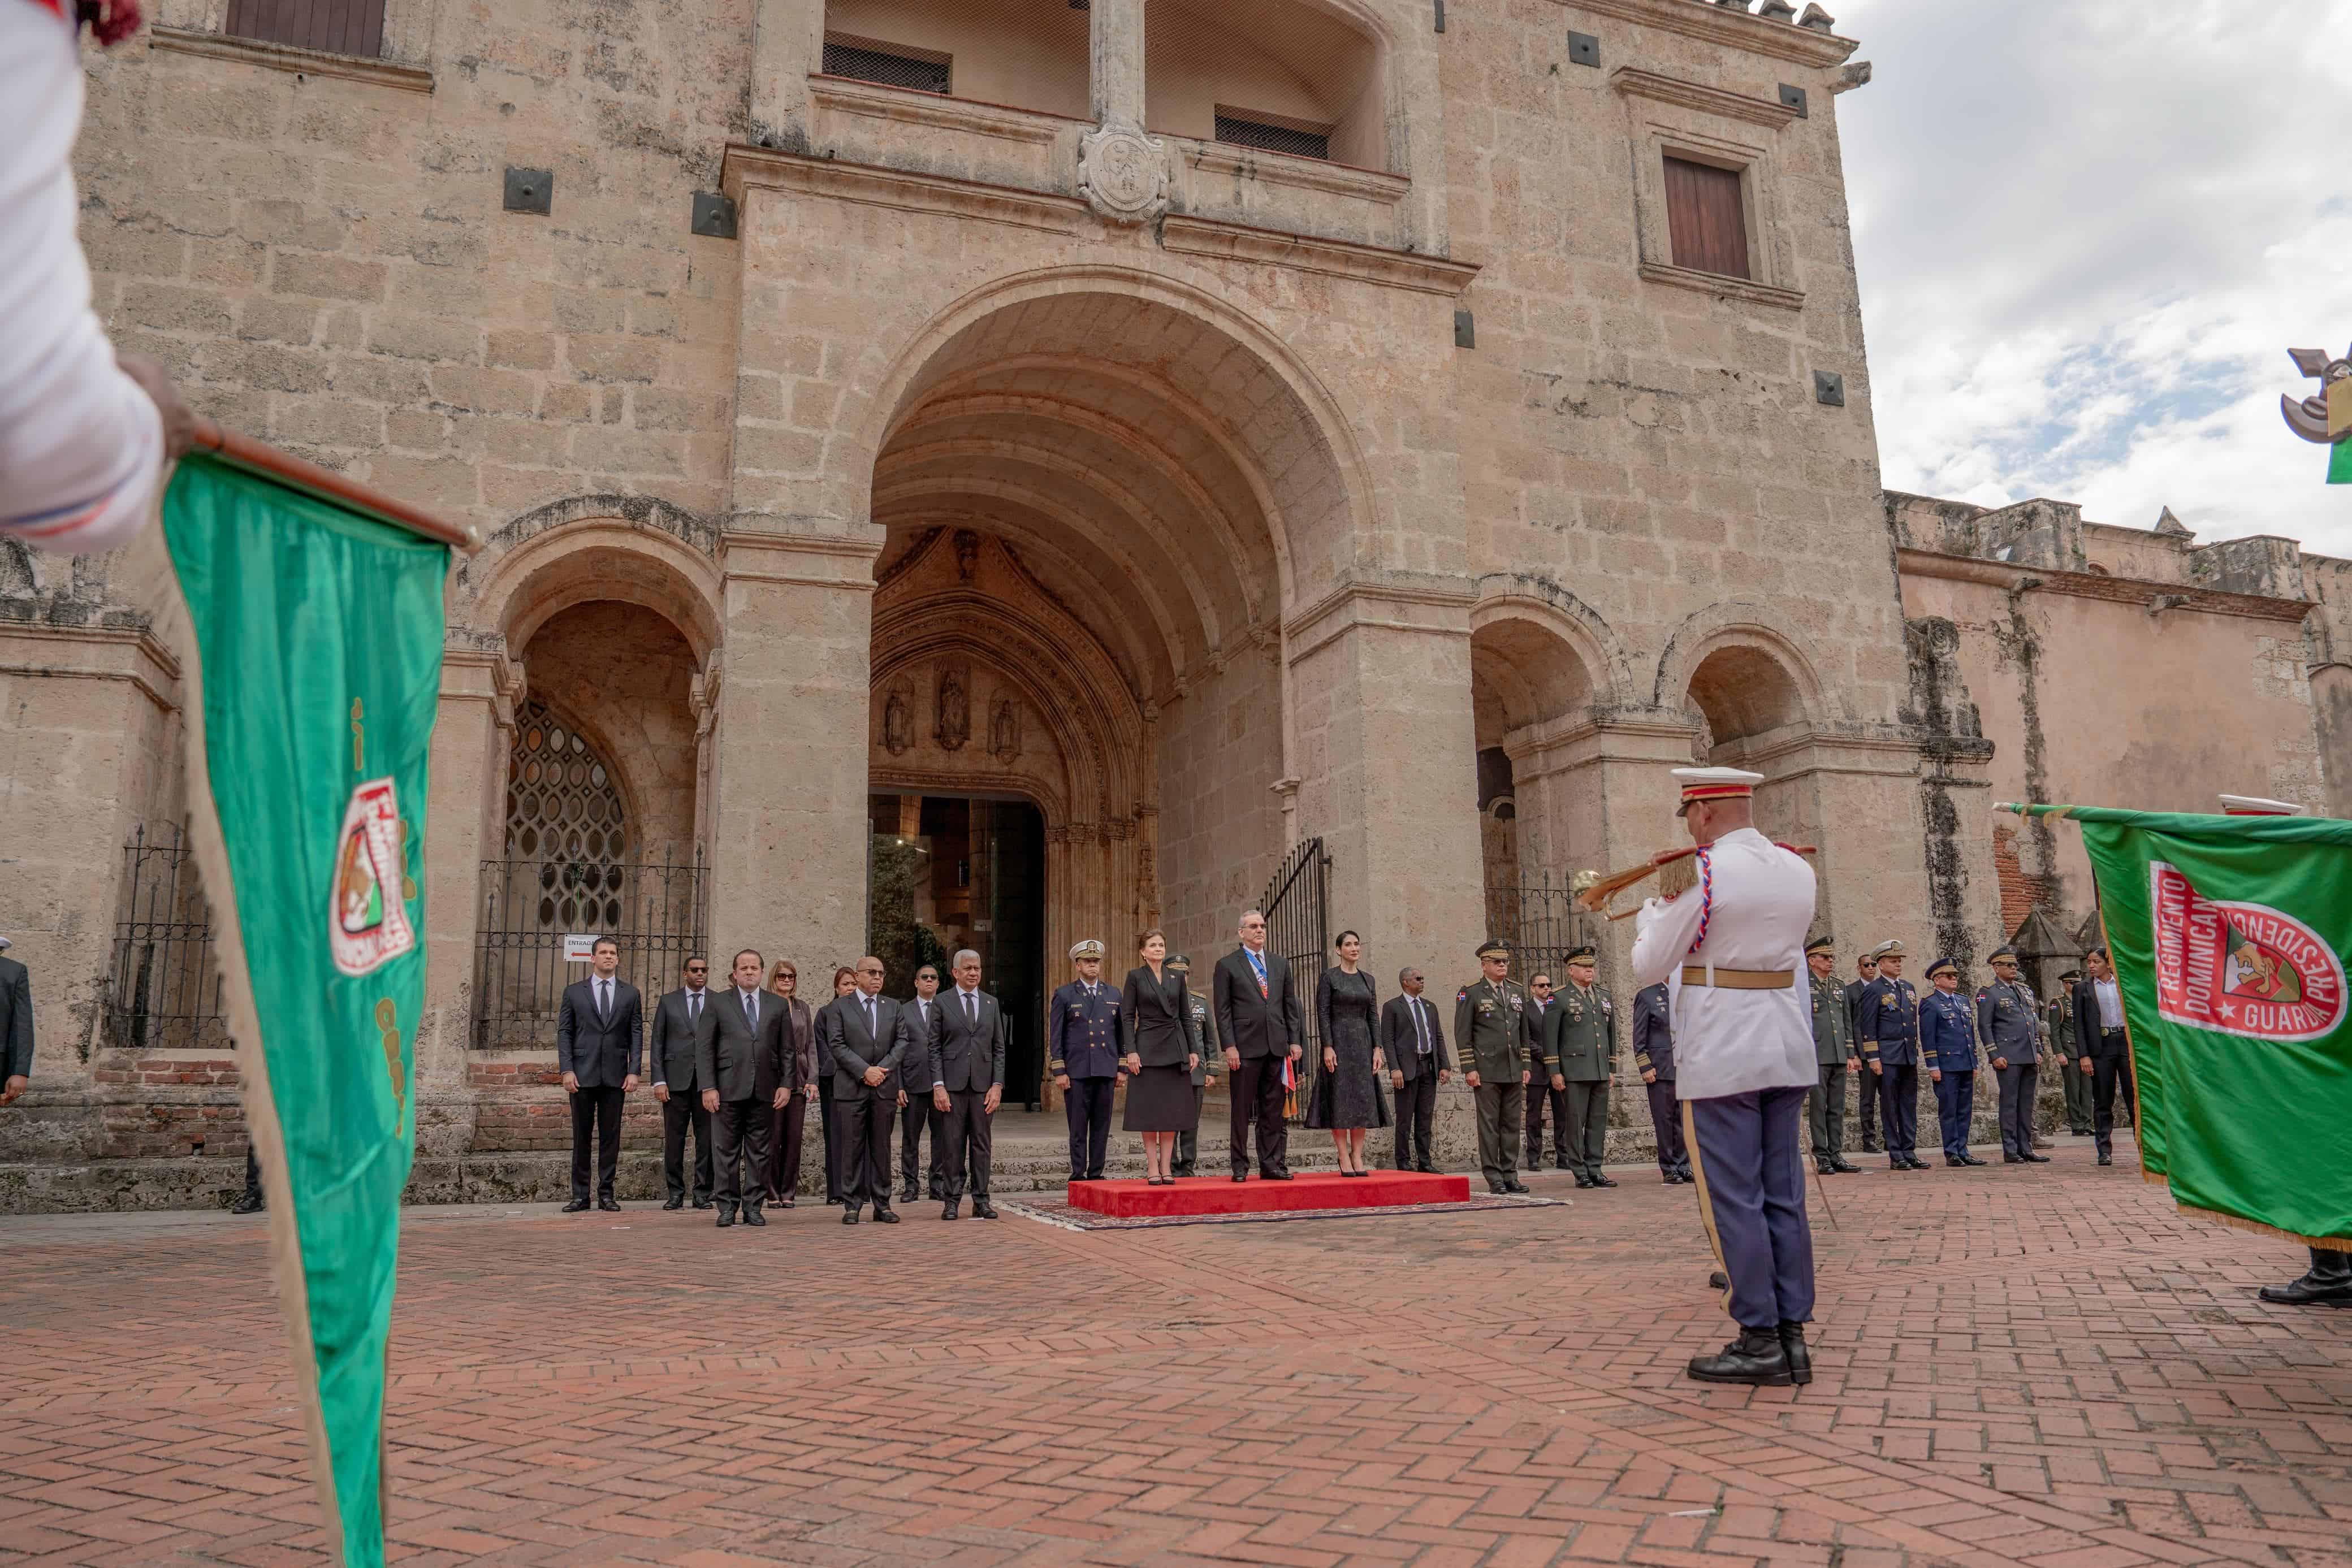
(317, 665)
(2229, 936)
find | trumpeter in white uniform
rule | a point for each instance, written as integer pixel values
(1730, 950)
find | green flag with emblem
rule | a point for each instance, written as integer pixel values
(315, 658)
(2229, 936)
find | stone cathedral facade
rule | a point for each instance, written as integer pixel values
(1043, 462)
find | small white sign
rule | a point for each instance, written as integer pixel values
(579, 950)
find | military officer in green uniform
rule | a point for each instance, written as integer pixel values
(1204, 1052)
(2058, 1019)
(1493, 1028)
(1573, 1042)
(1834, 1054)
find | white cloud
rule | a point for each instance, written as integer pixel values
(2088, 231)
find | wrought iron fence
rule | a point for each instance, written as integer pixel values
(1540, 921)
(163, 990)
(658, 911)
(1297, 906)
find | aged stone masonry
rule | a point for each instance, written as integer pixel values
(1049, 463)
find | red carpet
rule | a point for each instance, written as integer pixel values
(1222, 1195)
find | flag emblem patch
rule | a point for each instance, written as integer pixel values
(367, 918)
(2241, 968)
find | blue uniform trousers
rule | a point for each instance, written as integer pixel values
(1898, 1102)
(1750, 1161)
(1087, 1104)
(1665, 1116)
(1956, 1107)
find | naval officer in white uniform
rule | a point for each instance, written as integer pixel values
(1730, 950)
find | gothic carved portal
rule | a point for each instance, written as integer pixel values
(963, 624)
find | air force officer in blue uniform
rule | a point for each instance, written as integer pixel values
(1886, 1026)
(1087, 1037)
(1947, 1043)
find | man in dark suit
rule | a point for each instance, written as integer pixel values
(1205, 1054)
(677, 1017)
(16, 1026)
(743, 1060)
(920, 1014)
(1412, 1043)
(599, 1046)
(967, 1074)
(2102, 1050)
(1263, 1024)
(1865, 969)
(866, 1043)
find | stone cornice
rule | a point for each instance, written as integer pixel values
(1282, 169)
(1304, 253)
(1734, 29)
(1634, 82)
(280, 57)
(748, 168)
(1724, 288)
(2138, 593)
(1451, 594)
(842, 561)
(93, 653)
(904, 105)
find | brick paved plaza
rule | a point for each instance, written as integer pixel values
(2046, 1367)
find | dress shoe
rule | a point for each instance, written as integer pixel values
(949, 1210)
(1279, 1175)
(1094, 1175)
(1838, 1166)
(1671, 1180)
(1755, 1358)
(1718, 1281)
(982, 1209)
(1515, 1188)
(849, 1214)
(1823, 1168)
(2329, 1283)
(609, 1206)
(1898, 1163)
(884, 1216)
(1426, 1168)
(907, 1194)
(1500, 1188)
(2106, 1159)
(2037, 1159)
(726, 1217)
(1241, 1176)
(1953, 1161)
(1801, 1358)
(1583, 1181)
(751, 1215)
(577, 1205)
(248, 1203)
(1972, 1160)
(2012, 1159)
(1604, 1181)
(676, 1202)
(1873, 1146)
(702, 1202)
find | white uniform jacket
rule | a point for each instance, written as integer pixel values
(1755, 899)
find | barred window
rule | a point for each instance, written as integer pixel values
(565, 809)
(1270, 134)
(892, 65)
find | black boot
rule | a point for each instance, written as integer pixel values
(1755, 1358)
(1800, 1359)
(250, 1203)
(949, 1208)
(2329, 1283)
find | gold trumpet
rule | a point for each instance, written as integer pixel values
(1676, 871)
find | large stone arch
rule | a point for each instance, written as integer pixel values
(574, 551)
(1743, 624)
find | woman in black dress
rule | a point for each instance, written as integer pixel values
(1348, 1097)
(1159, 1060)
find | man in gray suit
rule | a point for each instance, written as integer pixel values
(967, 1074)
(743, 1060)
(678, 1018)
(867, 1042)
(599, 1046)
(16, 1026)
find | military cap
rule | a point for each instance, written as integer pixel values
(2073, 974)
(1887, 950)
(1089, 948)
(5, 944)
(1179, 963)
(1939, 965)
(1582, 954)
(2003, 951)
(1824, 943)
(1716, 784)
(2255, 806)
(1494, 947)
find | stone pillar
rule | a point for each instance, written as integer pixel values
(1379, 691)
(788, 845)
(473, 739)
(1115, 39)
(788, 44)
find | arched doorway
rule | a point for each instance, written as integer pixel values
(1540, 799)
(1089, 500)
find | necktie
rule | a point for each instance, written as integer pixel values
(693, 1006)
(1258, 963)
(751, 1009)
(1421, 1023)
(605, 999)
(972, 1009)
(869, 1017)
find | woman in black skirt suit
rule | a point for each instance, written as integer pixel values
(1160, 1058)
(1348, 1097)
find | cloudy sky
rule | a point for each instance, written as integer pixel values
(2088, 231)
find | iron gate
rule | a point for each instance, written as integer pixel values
(1540, 921)
(658, 911)
(1297, 908)
(163, 990)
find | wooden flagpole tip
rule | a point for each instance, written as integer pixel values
(258, 458)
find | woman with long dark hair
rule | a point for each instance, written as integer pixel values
(1160, 1056)
(1348, 1097)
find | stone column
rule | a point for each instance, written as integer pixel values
(1114, 39)
(788, 844)
(473, 738)
(788, 44)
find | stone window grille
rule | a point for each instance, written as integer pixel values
(564, 812)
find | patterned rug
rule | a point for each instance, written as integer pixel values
(1052, 1211)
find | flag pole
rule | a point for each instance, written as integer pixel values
(258, 458)
(2131, 1060)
